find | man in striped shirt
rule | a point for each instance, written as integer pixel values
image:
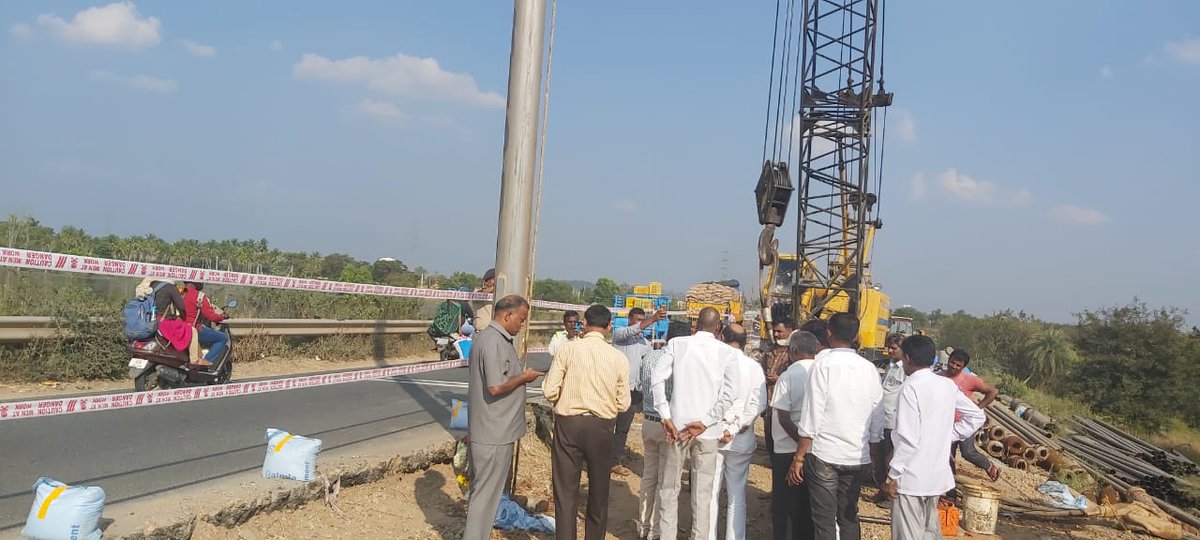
(588, 383)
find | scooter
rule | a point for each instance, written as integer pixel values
(155, 364)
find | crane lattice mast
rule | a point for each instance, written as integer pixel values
(833, 91)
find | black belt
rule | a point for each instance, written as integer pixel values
(652, 418)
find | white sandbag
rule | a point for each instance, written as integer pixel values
(62, 512)
(290, 456)
(458, 415)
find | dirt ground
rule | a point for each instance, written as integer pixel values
(429, 505)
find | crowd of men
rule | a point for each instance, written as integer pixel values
(832, 423)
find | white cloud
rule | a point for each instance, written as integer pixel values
(381, 111)
(196, 49)
(146, 83)
(1186, 50)
(957, 186)
(625, 205)
(276, 45)
(400, 75)
(1106, 72)
(906, 126)
(118, 24)
(1079, 215)
(966, 188)
(21, 31)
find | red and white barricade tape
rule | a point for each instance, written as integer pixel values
(44, 260)
(14, 410)
(54, 407)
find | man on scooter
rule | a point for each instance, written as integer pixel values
(195, 304)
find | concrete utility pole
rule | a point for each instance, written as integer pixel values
(513, 240)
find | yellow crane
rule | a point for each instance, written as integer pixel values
(826, 86)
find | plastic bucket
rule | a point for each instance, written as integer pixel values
(981, 506)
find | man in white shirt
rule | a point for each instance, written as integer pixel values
(885, 417)
(925, 426)
(834, 451)
(704, 378)
(791, 511)
(570, 332)
(738, 442)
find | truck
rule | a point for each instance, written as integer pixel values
(724, 296)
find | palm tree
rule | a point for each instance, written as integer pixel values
(1047, 354)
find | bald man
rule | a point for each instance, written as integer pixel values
(704, 375)
(737, 442)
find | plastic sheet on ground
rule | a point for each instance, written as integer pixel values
(511, 517)
(1061, 497)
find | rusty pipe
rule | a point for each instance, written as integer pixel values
(1018, 463)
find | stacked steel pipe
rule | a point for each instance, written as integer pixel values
(1125, 459)
(1111, 456)
(1018, 443)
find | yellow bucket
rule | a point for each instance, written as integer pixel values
(981, 507)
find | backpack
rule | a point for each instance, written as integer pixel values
(139, 315)
(446, 320)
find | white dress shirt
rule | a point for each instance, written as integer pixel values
(787, 399)
(558, 340)
(885, 415)
(749, 401)
(843, 392)
(925, 427)
(705, 375)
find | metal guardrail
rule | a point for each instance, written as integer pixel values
(23, 329)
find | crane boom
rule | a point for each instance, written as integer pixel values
(837, 98)
(823, 122)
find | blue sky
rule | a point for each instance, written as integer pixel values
(1043, 163)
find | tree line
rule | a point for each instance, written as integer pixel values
(1134, 363)
(257, 256)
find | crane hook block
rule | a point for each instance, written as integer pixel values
(773, 193)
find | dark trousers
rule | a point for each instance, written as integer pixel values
(833, 490)
(883, 460)
(624, 421)
(768, 431)
(579, 442)
(790, 505)
(970, 452)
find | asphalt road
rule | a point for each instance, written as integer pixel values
(142, 452)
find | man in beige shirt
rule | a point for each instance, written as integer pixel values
(588, 383)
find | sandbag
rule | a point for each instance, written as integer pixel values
(458, 415)
(62, 512)
(290, 456)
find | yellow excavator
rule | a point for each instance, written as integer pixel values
(821, 119)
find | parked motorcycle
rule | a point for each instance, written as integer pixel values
(155, 364)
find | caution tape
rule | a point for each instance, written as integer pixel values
(14, 410)
(55, 407)
(44, 260)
